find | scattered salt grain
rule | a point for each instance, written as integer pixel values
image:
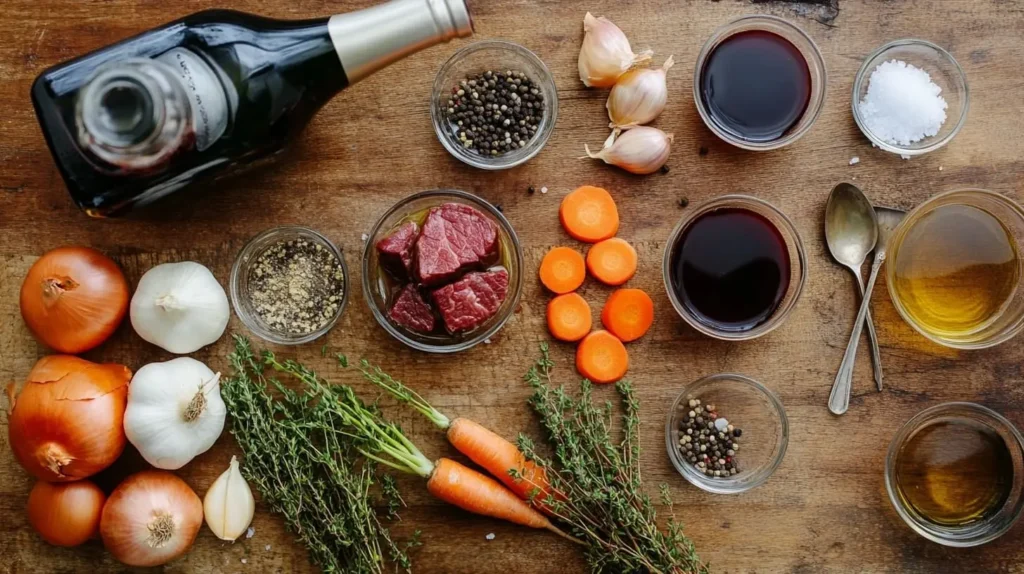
(721, 424)
(490, 536)
(940, 168)
(250, 533)
(854, 160)
(487, 341)
(267, 548)
(902, 105)
(543, 190)
(244, 561)
(365, 237)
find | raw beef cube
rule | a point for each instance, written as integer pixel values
(455, 238)
(411, 311)
(472, 300)
(396, 250)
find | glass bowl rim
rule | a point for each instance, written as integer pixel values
(780, 315)
(722, 486)
(723, 32)
(914, 215)
(863, 76)
(249, 250)
(515, 291)
(536, 143)
(914, 424)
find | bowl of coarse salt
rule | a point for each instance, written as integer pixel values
(910, 97)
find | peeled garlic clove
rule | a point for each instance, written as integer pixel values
(229, 505)
(606, 53)
(639, 96)
(640, 149)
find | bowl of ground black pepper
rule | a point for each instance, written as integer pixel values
(726, 433)
(289, 285)
(494, 105)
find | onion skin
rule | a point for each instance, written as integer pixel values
(68, 420)
(73, 299)
(150, 519)
(65, 514)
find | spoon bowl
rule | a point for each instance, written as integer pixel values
(851, 227)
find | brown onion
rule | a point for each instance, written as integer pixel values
(73, 298)
(150, 519)
(65, 514)
(67, 420)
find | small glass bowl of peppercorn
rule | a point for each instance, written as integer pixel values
(726, 433)
(494, 105)
(289, 285)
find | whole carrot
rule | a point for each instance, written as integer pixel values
(495, 454)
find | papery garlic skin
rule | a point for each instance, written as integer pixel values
(605, 54)
(180, 307)
(639, 96)
(641, 150)
(229, 505)
(175, 411)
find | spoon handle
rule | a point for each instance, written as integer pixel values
(839, 399)
(876, 357)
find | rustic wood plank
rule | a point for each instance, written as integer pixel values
(824, 511)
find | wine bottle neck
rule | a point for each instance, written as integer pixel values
(371, 39)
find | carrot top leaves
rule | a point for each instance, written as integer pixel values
(599, 476)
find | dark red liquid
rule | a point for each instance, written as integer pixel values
(756, 85)
(730, 268)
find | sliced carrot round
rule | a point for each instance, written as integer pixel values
(612, 261)
(601, 357)
(589, 214)
(562, 270)
(628, 314)
(569, 317)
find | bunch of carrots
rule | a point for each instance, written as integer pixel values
(589, 214)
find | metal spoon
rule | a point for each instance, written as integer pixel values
(851, 233)
(839, 400)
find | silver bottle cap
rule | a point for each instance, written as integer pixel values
(370, 39)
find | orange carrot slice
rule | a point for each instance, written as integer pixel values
(628, 314)
(589, 214)
(601, 357)
(612, 261)
(562, 270)
(569, 317)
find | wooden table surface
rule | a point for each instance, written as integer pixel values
(824, 510)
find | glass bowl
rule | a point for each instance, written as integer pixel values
(978, 532)
(480, 57)
(240, 282)
(945, 72)
(749, 406)
(797, 265)
(375, 288)
(802, 42)
(1009, 320)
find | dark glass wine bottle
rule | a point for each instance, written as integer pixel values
(213, 92)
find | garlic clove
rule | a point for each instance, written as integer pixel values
(229, 505)
(639, 96)
(606, 53)
(639, 150)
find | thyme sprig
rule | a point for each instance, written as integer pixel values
(598, 480)
(306, 467)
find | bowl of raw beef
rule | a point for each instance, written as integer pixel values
(441, 271)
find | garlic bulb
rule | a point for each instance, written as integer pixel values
(174, 411)
(606, 53)
(639, 96)
(639, 149)
(180, 307)
(229, 505)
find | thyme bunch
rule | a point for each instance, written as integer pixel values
(307, 469)
(597, 479)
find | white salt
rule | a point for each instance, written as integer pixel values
(490, 536)
(250, 532)
(903, 106)
(854, 160)
(543, 190)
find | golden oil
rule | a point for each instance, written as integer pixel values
(956, 270)
(954, 472)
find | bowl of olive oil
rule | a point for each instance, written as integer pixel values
(954, 269)
(954, 474)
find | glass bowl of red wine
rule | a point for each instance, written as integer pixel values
(759, 83)
(734, 268)
(442, 271)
